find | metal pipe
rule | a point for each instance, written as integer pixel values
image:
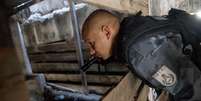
(22, 53)
(79, 52)
(28, 67)
(40, 77)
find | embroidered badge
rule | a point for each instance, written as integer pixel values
(165, 76)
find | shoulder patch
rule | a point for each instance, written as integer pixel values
(165, 76)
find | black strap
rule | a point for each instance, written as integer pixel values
(138, 91)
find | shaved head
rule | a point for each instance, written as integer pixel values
(99, 31)
(98, 18)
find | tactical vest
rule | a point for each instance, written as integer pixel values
(154, 48)
(189, 26)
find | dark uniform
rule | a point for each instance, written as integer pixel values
(163, 53)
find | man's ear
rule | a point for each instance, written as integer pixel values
(106, 30)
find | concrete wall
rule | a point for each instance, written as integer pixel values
(161, 7)
(55, 28)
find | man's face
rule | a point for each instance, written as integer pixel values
(99, 43)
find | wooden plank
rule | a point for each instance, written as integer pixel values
(54, 47)
(56, 57)
(124, 6)
(74, 67)
(92, 88)
(125, 90)
(96, 79)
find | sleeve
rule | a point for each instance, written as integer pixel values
(158, 60)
